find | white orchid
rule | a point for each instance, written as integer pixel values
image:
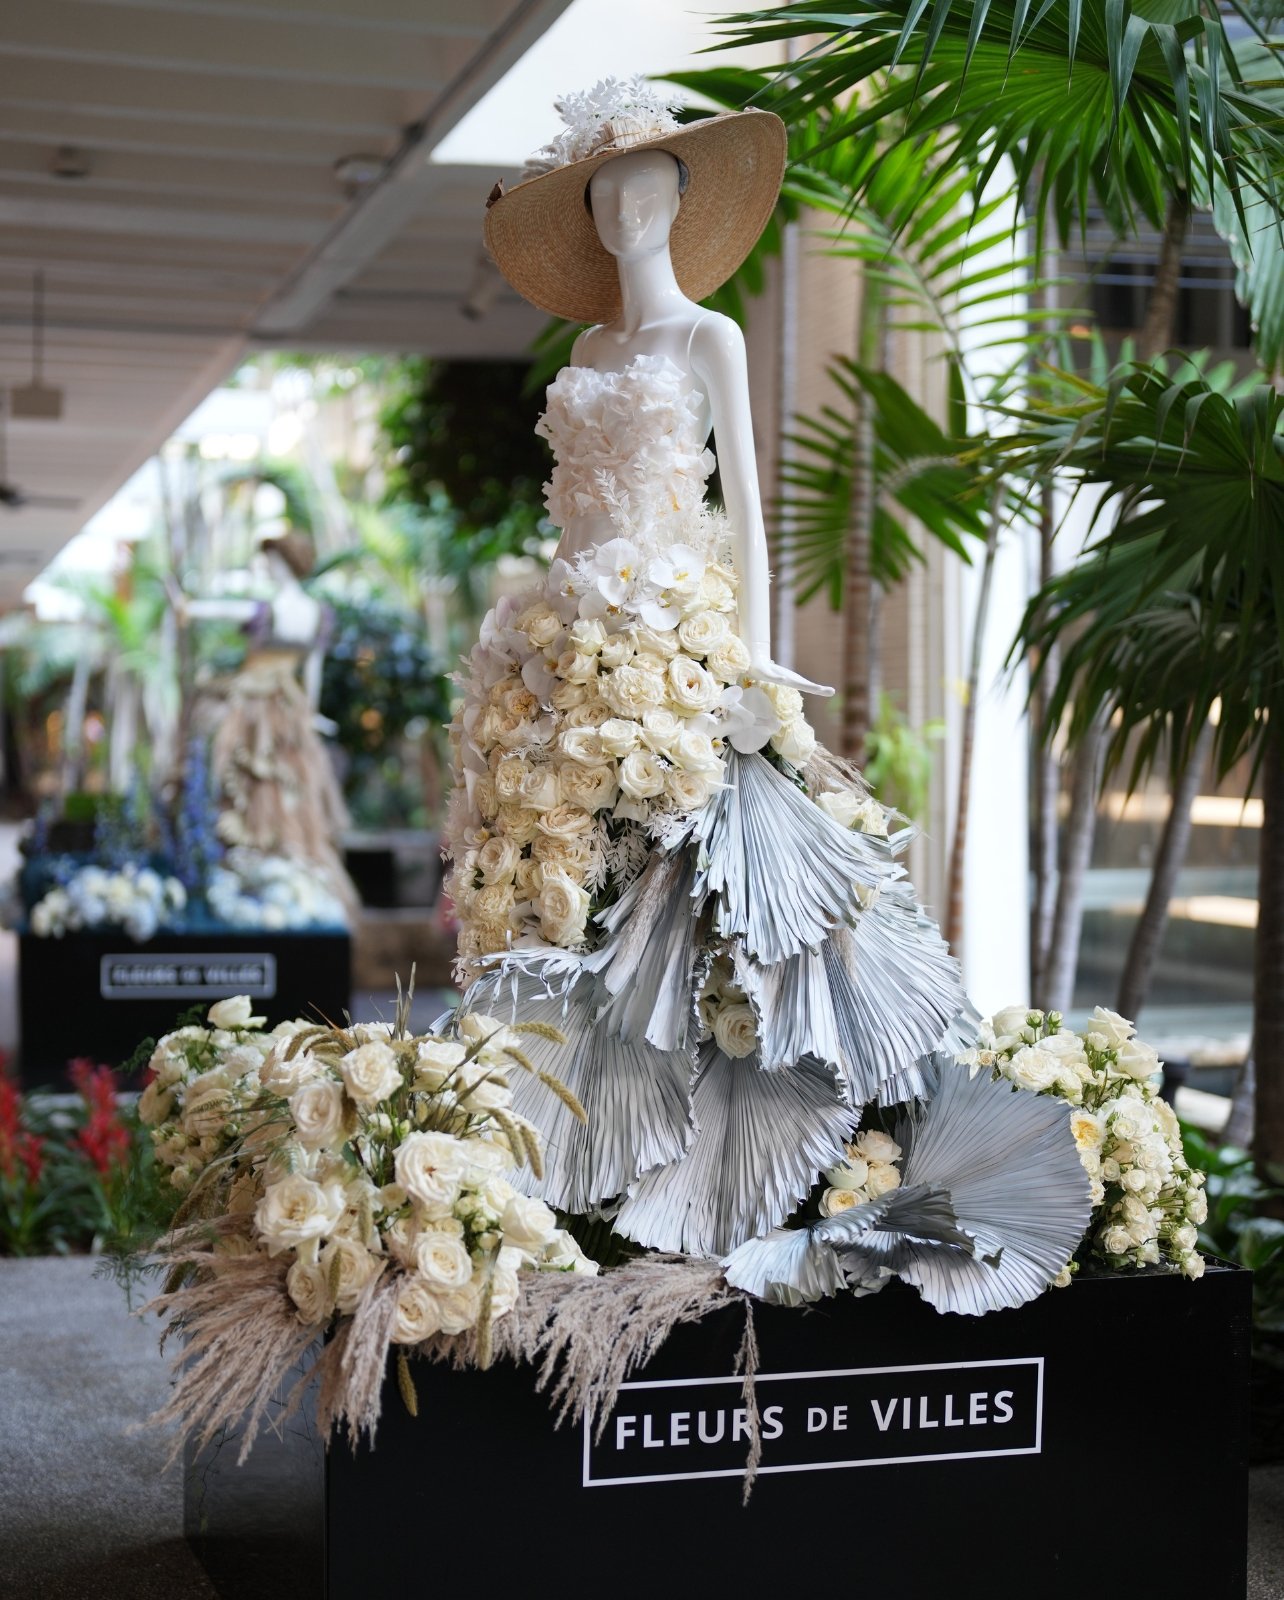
(748, 718)
(615, 568)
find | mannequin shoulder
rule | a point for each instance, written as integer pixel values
(581, 349)
(717, 344)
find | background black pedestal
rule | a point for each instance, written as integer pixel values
(1134, 1462)
(98, 994)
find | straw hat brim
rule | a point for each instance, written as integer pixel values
(543, 239)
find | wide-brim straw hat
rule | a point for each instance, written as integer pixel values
(544, 241)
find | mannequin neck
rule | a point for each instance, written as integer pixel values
(648, 290)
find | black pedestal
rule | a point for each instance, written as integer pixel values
(98, 994)
(1101, 1429)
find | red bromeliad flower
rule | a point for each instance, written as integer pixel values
(104, 1139)
(18, 1148)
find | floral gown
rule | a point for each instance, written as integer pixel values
(653, 853)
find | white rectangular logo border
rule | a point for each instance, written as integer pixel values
(589, 1482)
(189, 991)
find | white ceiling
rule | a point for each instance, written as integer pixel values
(211, 218)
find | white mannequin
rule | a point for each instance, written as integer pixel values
(634, 199)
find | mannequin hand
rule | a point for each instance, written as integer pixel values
(766, 671)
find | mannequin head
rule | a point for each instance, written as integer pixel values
(634, 199)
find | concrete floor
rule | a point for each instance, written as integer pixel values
(88, 1510)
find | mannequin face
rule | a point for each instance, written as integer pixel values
(635, 199)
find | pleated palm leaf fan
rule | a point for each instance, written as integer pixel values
(993, 1203)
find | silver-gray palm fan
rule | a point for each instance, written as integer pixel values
(993, 1204)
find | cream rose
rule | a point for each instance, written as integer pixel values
(882, 1177)
(154, 1104)
(796, 742)
(641, 775)
(653, 642)
(1116, 1029)
(735, 1030)
(350, 1266)
(518, 823)
(527, 1224)
(874, 1145)
(296, 1209)
(575, 667)
(566, 821)
(442, 1261)
(497, 859)
(729, 661)
(418, 1314)
(631, 690)
(689, 791)
(583, 745)
(562, 906)
(618, 736)
(587, 636)
(569, 695)
(660, 729)
(309, 1287)
(435, 1060)
(835, 1200)
(430, 1166)
(317, 1109)
(691, 688)
(510, 773)
(591, 788)
(529, 878)
(539, 788)
(459, 1308)
(236, 1012)
(541, 625)
(694, 752)
(702, 632)
(592, 714)
(371, 1073)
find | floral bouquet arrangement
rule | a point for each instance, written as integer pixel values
(340, 1181)
(1147, 1201)
(638, 656)
(134, 897)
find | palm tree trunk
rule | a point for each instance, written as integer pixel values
(858, 590)
(1047, 779)
(1268, 966)
(1156, 336)
(958, 845)
(1147, 936)
(1076, 852)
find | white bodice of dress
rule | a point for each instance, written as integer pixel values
(628, 446)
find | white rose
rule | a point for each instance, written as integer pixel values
(691, 688)
(850, 1174)
(518, 823)
(874, 1145)
(736, 1030)
(539, 788)
(796, 742)
(616, 651)
(654, 642)
(509, 776)
(354, 1270)
(569, 695)
(1116, 1030)
(1033, 1068)
(702, 632)
(442, 1261)
(563, 1254)
(1193, 1266)
(1087, 1130)
(317, 1109)
(1117, 1241)
(660, 730)
(618, 736)
(429, 1166)
(630, 690)
(581, 744)
(435, 1060)
(504, 1285)
(371, 1072)
(418, 1313)
(459, 1308)
(155, 1104)
(694, 752)
(787, 703)
(562, 907)
(882, 1177)
(641, 775)
(1010, 1021)
(234, 1013)
(835, 1200)
(730, 660)
(296, 1209)
(497, 860)
(541, 625)
(689, 791)
(590, 788)
(279, 1076)
(1139, 1060)
(309, 1287)
(840, 804)
(527, 1224)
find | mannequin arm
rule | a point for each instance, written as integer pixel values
(718, 360)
